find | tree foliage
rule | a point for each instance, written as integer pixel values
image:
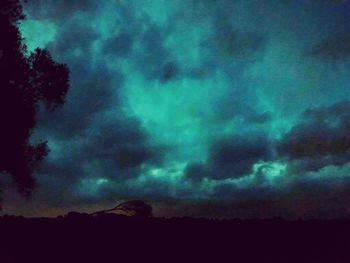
(26, 81)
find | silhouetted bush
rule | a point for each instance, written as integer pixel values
(137, 208)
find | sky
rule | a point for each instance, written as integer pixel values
(200, 107)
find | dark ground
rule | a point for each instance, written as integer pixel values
(112, 238)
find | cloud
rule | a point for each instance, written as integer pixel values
(320, 139)
(235, 157)
(196, 171)
(82, 108)
(59, 10)
(92, 141)
(231, 158)
(231, 44)
(310, 195)
(153, 55)
(120, 45)
(210, 104)
(333, 49)
(168, 72)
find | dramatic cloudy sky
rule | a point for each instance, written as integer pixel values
(201, 107)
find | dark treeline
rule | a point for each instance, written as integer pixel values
(115, 238)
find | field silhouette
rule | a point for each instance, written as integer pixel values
(105, 237)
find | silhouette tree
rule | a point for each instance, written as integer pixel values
(132, 208)
(26, 81)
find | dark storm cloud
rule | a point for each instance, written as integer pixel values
(235, 106)
(168, 71)
(320, 139)
(144, 47)
(74, 40)
(196, 171)
(235, 157)
(120, 45)
(81, 107)
(124, 144)
(228, 191)
(231, 158)
(312, 204)
(256, 117)
(235, 45)
(117, 148)
(153, 56)
(90, 137)
(304, 198)
(113, 151)
(58, 10)
(232, 48)
(335, 48)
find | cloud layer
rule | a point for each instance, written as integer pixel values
(237, 103)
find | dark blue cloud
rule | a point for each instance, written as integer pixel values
(336, 48)
(196, 171)
(153, 56)
(320, 139)
(231, 158)
(59, 10)
(120, 45)
(235, 157)
(168, 71)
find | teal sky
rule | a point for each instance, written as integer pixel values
(201, 107)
